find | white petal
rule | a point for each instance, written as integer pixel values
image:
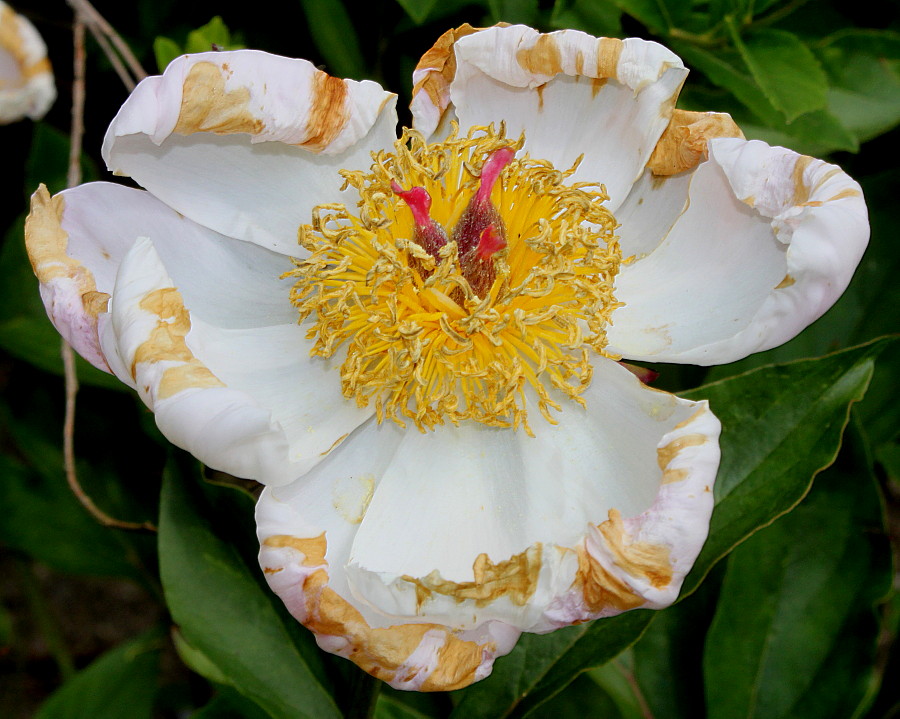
(242, 401)
(660, 196)
(247, 143)
(306, 530)
(769, 241)
(650, 211)
(474, 500)
(26, 79)
(571, 94)
(77, 239)
(479, 529)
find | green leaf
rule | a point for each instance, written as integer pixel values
(650, 13)
(781, 425)
(616, 678)
(514, 11)
(389, 708)
(417, 10)
(213, 35)
(725, 74)
(48, 161)
(865, 90)
(36, 341)
(795, 632)
(42, 518)
(815, 133)
(581, 694)
(668, 657)
(880, 43)
(223, 611)
(121, 683)
(229, 704)
(165, 50)
(540, 666)
(786, 71)
(601, 19)
(335, 37)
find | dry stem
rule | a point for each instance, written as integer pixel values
(74, 178)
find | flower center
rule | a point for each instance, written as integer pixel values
(466, 285)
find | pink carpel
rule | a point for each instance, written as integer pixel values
(428, 234)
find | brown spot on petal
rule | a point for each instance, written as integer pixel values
(690, 420)
(683, 144)
(515, 578)
(597, 84)
(609, 49)
(328, 113)
(95, 303)
(643, 560)
(665, 455)
(542, 58)
(312, 548)
(801, 191)
(786, 282)
(442, 60)
(206, 106)
(639, 559)
(47, 244)
(848, 192)
(600, 588)
(381, 652)
(334, 444)
(166, 343)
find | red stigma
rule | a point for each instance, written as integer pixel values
(491, 171)
(428, 234)
(417, 199)
(490, 242)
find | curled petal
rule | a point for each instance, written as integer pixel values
(26, 78)
(468, 534)
(763, 243)
(247, 143)
(572, 95)
(246, 401)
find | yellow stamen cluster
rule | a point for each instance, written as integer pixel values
(420, 343)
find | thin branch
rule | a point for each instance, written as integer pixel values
(98, 25)
(76, 134)
(114, 59)
(74, 178)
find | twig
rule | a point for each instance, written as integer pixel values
(74, 178)
(114, 59)
(98, 26)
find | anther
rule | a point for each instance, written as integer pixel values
(428, 234)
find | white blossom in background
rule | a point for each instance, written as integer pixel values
(26, 78)
(414, 343)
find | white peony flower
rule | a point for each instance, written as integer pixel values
(26, 79)
(452, 453)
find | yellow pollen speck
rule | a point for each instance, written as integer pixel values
(426, 337)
